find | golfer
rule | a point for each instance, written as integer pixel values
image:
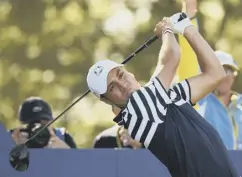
(162, 116)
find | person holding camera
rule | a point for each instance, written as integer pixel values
(35, 113)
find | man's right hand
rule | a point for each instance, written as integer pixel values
(163, 26)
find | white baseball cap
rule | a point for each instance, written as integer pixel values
(226, 59)
(98, 74)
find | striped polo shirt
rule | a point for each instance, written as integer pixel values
(167, 124)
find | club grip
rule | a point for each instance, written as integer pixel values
(145, 45)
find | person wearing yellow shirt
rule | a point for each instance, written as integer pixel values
(228, 107)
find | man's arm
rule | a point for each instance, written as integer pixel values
(212, 71)
(188, 66)
(169, 55)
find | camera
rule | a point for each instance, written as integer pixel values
(40, 140)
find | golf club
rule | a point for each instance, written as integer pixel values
(19, 155)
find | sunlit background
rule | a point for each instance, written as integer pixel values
(47, 47)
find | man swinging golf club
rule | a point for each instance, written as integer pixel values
(162, 117)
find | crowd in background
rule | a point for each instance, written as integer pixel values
(221, 108)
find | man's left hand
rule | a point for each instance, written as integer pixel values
(180, 21)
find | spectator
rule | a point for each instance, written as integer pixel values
(115, 137)
(188, 60)
(218, 108)
(36, 110)
(235, 112)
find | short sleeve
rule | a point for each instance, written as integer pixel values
(183, 89)
(160, 90)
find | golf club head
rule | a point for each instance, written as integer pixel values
(19, 157)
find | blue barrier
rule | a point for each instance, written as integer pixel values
(88, 163)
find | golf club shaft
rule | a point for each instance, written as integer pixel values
(62, 113)
(145, 45)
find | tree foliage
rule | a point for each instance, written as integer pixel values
(47, 47)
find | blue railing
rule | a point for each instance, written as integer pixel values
(88, 162)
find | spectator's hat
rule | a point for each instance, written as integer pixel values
(34, 109)
(226, 59)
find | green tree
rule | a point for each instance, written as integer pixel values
(47, 47)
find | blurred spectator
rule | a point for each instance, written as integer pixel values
(35, 110)
(115, 137)
(218, 108)
(228, 112)
(235, 111)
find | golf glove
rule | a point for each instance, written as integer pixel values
(179, 22)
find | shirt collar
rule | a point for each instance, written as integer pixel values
(119, 118)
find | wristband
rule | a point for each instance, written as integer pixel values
(167, 30)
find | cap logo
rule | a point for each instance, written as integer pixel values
(98, 70)
(37, 109)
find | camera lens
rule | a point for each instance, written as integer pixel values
(40, 140)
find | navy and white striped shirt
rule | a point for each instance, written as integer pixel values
(165, 122)
(147, 108)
